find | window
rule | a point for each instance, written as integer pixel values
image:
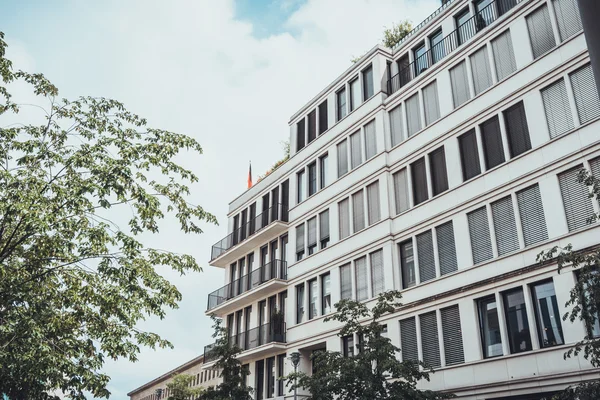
(531, 211)
(280, 374)
(370, 139)
(358, 211)
(300, 134)
(342, 158)
(323, 170)
(426, 257)
(324, 228)
(368, 88)
(420, 57)
(452, 335)
(325, 294)
(396, 125)
(540, 31)
(431, 103)
(586, 94)
(576, 201)
(344, 214)
(460, 84)
(348, 346)
(480, 67)
(355, 150)
(401, 191)
(362, 278)
(299, 242)
(373, 214)
(419, 181)
(312, 179)
(312, 125)
(312, 235)
(341, 104)
(408, 340)
(354, 94)
(300, 177)
(504, 55)
(377, 278)
(546, 314)
(505, 226)
(430, 339)
(300, 303)
(346, 281)
(568, 18)
(407, 264)
(313, 289)
(260, 379)
(436, 46)
(446, 248)
(489, 327)
(404, 75)
(413, 114)
(439, 176)
(557, 108)
(517, 323)
(479, 232)
(517, 130)
(323, 117)
(270, 377)
(484, 12)
(464, 31)
(491, 140)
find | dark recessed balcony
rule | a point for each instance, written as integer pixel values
(268, 278)
(271, 222)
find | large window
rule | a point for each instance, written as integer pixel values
(547, 314)
(408, 340)
(344, 215)
(531, 211)
(324, 229)
(586, 94)
(446, 248)
(312, 235)
(300, 303)
(460, 84)
(401, 191)
(489, 327)
(469, 155)
(407, 264)
(576, 201)
(540, 31)
(517, 323)
(517, 130)
(557, 108)
(323, 170)
(452, 335)
(439, 175)
(505, 226)
(419, 181)
(491, 140)
(480, 67)
(342, 158)
(299, 242)
(479, 232)
(504, 55)
(368, 88)
(325, 294)
(413, 114)
(341, 104)
(431, 103)
(373, 213)
(312, 178)
(362, 279)
(358, 211)
(426, 256)
(568, 18)
(430, 342)
(313, 290)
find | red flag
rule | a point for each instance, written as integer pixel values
(250, 176)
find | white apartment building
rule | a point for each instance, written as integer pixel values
(440, 168)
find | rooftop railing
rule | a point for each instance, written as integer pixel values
(465, 32)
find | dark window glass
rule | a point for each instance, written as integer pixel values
(280, 374)
(489, 327)
(270, 377)
(312, 125)
(348, 346)
(407, 264)
(299, 303)
(341, 104)
(260, 379)
(517, 130)
(439, 176)
(492, 143)
(368, 89)
(323, 117)
(469, 155)
(300, 135)
(312, 179)
(547, 315)
(517, 323)
(419, 181)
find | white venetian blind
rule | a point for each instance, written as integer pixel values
(540, 31)
(452, 335)
(479, 232)
(370, 139)
(355, 150)
(401, 191)
(300, 238)
(556, 106)
(344, 211)
(358, 211)
(346, 281)
(531, 211)
(396, 125)
(426, 257)
(586, 94)
(568, 18)
(374, 214)
(430, 339)
(576, 201)
(480, 66)
(312, 231)
(342, 158)
(460, 84)
(408, 340)
(505, 226)
(431, 103)
(362, 278)
(377, 279)
(413, 114)
(504, 55)
(446, 248)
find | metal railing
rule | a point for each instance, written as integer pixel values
(451, 42)
(276, 269)
(253, 338)
(278, 212)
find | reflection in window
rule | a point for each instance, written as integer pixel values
(489, 327)
(516, 320)
(547, 315)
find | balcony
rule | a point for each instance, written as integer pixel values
(461, 35)
(257, 284)
(271, 222)
(256, 342)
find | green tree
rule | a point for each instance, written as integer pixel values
(181, 388)
(392, 36)
(232, 372)
(74, 283)
(375, 372)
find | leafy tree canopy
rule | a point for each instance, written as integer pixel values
(180, 388)
(392, 36)
(73, 282)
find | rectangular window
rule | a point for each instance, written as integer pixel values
(323, 121)
(325, 294)
(324, 228)
(517, 130)
(430, 339)
(460, 84)
(413, 114)
(540, 31)
(568, 18)
(404, 74)
(313, 290)
(463, 29)
(346, 281)
(396, 125)
(426, 257)
(300, 303)
(480, 67)
(300, 135)
(436, 46)
(344, 214)
(505, 225)
(576, 201)
(280, 374)
(341, 104)
(547, 316)
(377, 278)
(452, 335)
(446, 248)
(531, 211)
(299, 242)
(420, 57)
(312, 125)
(358, 211)
(259, 367)
(407, 264)
(557, 108)
(312, 179)
(323, 170)
(517, 323)
(419, 181)
(354, 94)
(431, 103)
(348, 346)
(362, 278)
(586, 94)
(439, 175)
(370, 139)
(374, 214)
(355, 150)
(479, 232)
(300, 179)
(504, 55)
(368, 88)
(491, 139)
(312, 235)
(342, 158)
(270, 377)
(401, 191)
(489, 327)
(408, 340)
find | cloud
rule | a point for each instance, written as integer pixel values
(192, 67)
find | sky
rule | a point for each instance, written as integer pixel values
(230, 73)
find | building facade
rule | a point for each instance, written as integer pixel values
(439, 168)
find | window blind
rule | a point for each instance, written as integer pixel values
(446, 248)
(491, 139)
(396, 125)
(431, 103)
(568, 18)
(377, 279)
(460, 84)
(531, 211)
(370, 139)
(342, 158)
(413, 114)
(362, 290)
(355, 150)
(480, 67)
(401, 191)
(557, 108)
(346, 281)
(586, 94)
(469, 155)
(324, 225)
(479, 232)
(312, 232)
(439, 175)
(505, 225)
(358, 211)
(374, 214)
(300, 238)
(577, 204)
(419, 181)
(517, 130)
(426, 257)
(430, 339)
(540, 31)
(408, 340)
(452, 335)
(504, 55)
(344, 211)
